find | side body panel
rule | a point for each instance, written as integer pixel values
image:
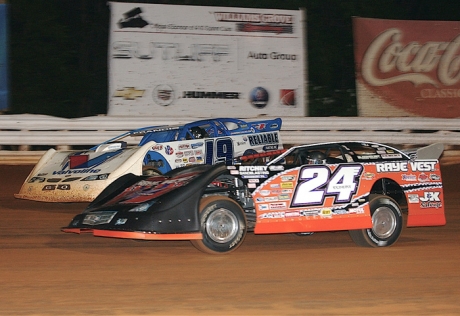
(314, 198)
(55, 179)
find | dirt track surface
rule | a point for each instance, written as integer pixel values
(46, 272)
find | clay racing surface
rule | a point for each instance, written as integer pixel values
(46, 272)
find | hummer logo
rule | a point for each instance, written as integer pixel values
(129, 93)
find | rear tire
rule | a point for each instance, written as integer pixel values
(387, 223)
(223, 225)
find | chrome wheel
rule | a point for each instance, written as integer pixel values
(384, 222)
(222, 225)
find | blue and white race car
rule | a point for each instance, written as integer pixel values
(79, 176)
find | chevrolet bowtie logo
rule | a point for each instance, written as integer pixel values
(128, 93)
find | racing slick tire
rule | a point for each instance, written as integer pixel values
(387, 223)
(223, 225)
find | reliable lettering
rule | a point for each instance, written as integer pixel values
(263, 139)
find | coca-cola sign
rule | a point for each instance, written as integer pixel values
(412, 66)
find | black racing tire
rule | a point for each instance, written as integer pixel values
(223, 225)
(387, 223)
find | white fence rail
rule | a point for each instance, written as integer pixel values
(40, 130)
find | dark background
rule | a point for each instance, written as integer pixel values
(58, 49)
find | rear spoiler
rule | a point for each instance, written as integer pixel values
(430, 152)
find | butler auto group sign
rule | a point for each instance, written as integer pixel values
(172, 60)
(407, 68)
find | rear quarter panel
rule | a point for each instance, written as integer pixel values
(335, 197)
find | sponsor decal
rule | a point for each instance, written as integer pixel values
(272, 215)
(340, 211)
(413, 198)
(368, 157)
(325, 212)
(263, 138)
(128, 93)
(435, 177)
(276, 168)
(430, 200)
(196, 145)
(283, 197)
(254, 171)
(259, 97)
(270, 147)
(287, 185)
(210, 95)
(423, 177)
(287, 178)
(357, 210)
(121, 221)
(263, 207)
(179, 154)
(49, 187)
(275, 185)
(163, 95)
(271, 199)
(409, 177)
(260, 126)
(368, 176)
(292, 214)
(309, 212)
(287, 97)
(264, 192)
(74, 171)
(253, 180)
(391, 156)
(192, 159)
(169, 150)
(277, 206)
(157, 147)
(183, 146)
(403, 166)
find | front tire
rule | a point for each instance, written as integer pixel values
(223, 225)
(387, 224)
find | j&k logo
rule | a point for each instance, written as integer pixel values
(430, 197)
(430, 200)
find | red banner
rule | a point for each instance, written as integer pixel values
(407, 68)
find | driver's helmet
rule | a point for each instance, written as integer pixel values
(198, 132)
(315, 158)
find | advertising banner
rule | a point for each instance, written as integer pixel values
(3, 58)
(171, 60)
(407, 68)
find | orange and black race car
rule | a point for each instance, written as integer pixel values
(363, 187)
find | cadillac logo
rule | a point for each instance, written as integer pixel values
(163, 95)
